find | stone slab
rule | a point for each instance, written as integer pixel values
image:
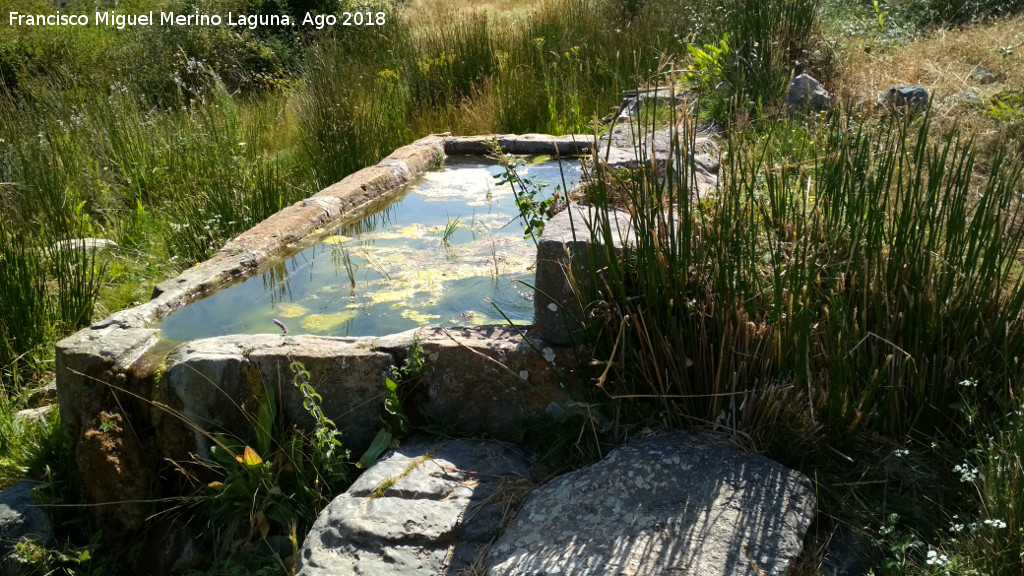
(424, 509)
(520, 144)
(569, 250)
(678, 504)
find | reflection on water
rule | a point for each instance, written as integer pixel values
(432, 254)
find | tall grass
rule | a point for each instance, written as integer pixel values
(857, 287)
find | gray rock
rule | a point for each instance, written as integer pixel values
(626, 146)
(38, 414)
(20, 519)
(661, 96)
(569, 251)
(806, 94)
(914, 98)
(970, 97)
(489, 379)
(982, 75)
(424, 509)
(86, 244)
(675, 504)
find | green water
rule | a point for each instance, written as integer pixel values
(393, 270)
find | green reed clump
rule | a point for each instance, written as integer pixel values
(25, 310)
(857, 286)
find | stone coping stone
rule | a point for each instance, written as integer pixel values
(424, 509)
(678, 504)
(520, 144)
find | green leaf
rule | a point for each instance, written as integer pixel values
(381, 442)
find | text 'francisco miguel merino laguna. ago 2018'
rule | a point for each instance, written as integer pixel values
(121, 21)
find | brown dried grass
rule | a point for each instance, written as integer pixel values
(942, 62)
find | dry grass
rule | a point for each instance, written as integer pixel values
(426, 13)
(942, 62)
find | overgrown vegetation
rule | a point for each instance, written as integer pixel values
(849, 299)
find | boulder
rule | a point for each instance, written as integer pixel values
(806, 94)
(982, 75)
(914, 98)
(680, 503)
(422, 510)
(970, 97)
(20, 518)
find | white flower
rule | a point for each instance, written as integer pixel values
(934, 558)
(969, 383)
(967, 472)
(995, 523)
(900, 452)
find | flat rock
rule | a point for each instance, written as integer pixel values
(970, 97)
(20, 518)
(627, 146)
(422, 510)
(38, 414)
(677, 504)
(84, 244)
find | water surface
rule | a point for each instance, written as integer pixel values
(434, 255)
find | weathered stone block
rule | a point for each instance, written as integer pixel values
(571, 250)
(486, 379)
(217, 384)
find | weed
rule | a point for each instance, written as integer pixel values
(450, 227)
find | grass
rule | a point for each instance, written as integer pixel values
(841, 285)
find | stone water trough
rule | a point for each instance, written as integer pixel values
(134, 401)
(136, 404)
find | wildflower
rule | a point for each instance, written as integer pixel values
(900, 452)
(995, 523)
(934, 558)
(969, 383)
(967, 472)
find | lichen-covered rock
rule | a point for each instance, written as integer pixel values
(20, 518)
(675, 504)
(424, 509)
(982, 75)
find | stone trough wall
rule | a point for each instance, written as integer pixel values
(134, 402)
